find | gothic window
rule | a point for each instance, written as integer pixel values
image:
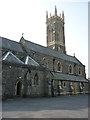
(64, 84)
(59, 67)
(79, 71)
(82, 84)
(61, 35)
(36, 81)
(51, 34)
(70, 69)
(61, 83)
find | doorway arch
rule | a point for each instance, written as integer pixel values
(19, 88)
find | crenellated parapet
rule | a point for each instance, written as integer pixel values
(59, 17)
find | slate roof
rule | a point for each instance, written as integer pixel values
(61, 76)
(47, 51)
(10, 57)
(11, 45)
(30, 61)
(15, 46)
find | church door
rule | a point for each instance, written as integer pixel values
(74, 89)
(19, 88)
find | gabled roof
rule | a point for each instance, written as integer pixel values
(30, 61)
(61, 76)
(11, 45)
(47, 51)
(10, 57)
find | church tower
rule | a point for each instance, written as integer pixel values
(55, 31)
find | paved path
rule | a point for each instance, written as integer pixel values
(74, 106)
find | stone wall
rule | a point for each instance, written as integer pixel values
(14, 73)
(22, 76)
(69, 87)
(47, 61)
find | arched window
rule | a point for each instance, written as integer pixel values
(64, 84)
(59, 66)
(79, 71)
(70, 69)
(82, 84)
(51, 34)
(36, 82)
(61, 35)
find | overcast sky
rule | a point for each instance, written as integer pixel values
(29, 17)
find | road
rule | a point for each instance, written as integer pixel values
(74, 106)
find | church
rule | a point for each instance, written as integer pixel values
(32, 70)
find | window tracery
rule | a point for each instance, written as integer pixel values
(70, 69)
(59, 67)
(79, 71)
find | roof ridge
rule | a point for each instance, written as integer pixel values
(47, 51)
(10, 40)
(11, 45)
(49, 48)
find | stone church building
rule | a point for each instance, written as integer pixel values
(32, 70)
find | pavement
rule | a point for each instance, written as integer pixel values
(69, 106)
